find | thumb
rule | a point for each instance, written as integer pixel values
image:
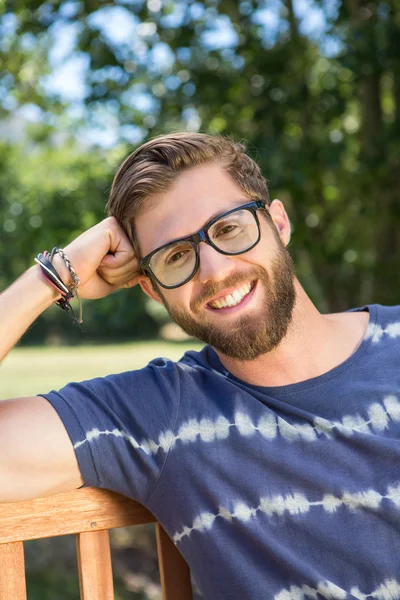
(113, 260)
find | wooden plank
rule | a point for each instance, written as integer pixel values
(12, 572)
(86, 509)
(174, 570)
(94, 565)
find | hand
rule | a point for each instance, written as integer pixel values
(104, 260)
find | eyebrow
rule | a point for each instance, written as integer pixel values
(213, 216)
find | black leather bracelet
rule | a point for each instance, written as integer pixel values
(54, 278)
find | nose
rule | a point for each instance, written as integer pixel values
(214, 266)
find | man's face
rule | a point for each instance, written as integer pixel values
(260, 320)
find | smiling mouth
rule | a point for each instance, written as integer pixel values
(234, 298)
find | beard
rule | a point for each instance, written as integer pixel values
(255, 333)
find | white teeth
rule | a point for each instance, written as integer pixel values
(232, 299)
(237, 296)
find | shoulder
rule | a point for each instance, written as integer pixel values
(379, 315)
(206, 360)
(384, 323)
(388, 314)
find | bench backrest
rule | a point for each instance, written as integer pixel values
(89, 513)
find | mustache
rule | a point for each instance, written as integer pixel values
(212, 289)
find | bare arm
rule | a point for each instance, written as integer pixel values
(104, 261)
(36, 454)
(21, 304)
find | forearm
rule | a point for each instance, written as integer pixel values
(21, 304)
(104, 261)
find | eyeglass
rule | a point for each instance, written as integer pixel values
(234, 232)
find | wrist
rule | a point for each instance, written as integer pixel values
(65, 280)
(63, 271)
(63, 274)
(51, 294)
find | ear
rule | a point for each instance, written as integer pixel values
(148, 289)
(281, 220)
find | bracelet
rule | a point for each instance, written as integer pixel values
(70, 268)
(44, 260)
(52, 275)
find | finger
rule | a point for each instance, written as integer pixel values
(117, 265)
(118, 259)
(131, 266)
(128, 281)
(119, 241)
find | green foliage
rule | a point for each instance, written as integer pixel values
(49, 194)
(321, 114)
(51, 566)
(324, 125)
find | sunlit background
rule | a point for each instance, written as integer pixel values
(313, 86)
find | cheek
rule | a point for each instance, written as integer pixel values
(257, 256)
(186, 297)
(179, 298)
(265, 251)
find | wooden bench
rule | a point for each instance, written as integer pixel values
(89, 513)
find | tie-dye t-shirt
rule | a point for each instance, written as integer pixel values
(270, 493)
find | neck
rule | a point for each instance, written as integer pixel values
(314, 344)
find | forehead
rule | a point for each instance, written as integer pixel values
(196, 196)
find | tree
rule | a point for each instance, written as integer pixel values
(320, 112)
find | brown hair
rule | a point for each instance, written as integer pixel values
(155, 165)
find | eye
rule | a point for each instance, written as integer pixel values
(176, 256)
(226, 229)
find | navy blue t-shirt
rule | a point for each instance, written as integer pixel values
(283, 493)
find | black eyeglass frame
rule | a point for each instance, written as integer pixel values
(202, 236)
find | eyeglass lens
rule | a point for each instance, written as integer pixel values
(234, 233)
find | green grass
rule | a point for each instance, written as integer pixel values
(30, 371)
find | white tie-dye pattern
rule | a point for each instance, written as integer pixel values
(388, 590)
(377, 333)
(93, 434)
(393, 330)
(268, 426)
(207, 430)
(326, 589)
(294, 504)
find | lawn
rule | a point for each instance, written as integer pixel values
(30, 371)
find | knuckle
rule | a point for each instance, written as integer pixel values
(111, 224)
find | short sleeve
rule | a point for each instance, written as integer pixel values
(121, 426)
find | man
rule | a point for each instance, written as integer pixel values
(272, 457)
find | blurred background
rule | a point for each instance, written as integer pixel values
(313, 86)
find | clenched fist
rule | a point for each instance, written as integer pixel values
(103, 258)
